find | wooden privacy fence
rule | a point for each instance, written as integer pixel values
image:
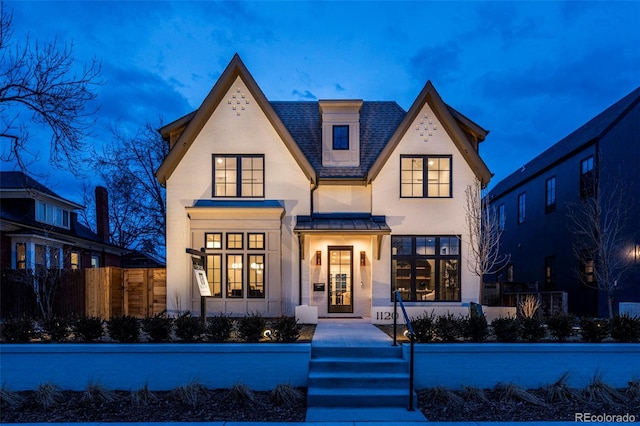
(113, 291)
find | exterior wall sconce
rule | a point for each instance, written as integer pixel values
(363, 259)
(318, 258)
(637, 253)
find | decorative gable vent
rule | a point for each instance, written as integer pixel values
(340, 132)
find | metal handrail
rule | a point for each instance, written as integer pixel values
(412, 339)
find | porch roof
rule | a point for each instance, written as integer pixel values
(345, 223)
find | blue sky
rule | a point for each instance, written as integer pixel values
(530, 72)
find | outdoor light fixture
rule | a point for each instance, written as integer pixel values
(363, 259)
(318, 258)
(268, 334)
(637, 253)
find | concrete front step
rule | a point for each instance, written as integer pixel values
(356, 352)
(328, 379)
(358, 397)
(358, 377)
(382, 415)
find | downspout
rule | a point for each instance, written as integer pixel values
(300, 244)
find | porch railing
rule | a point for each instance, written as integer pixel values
(412, 339)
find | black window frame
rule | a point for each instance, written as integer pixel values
(502, 218)
(250, 234)
(239, 193)
(522, 207)
(587, 177)
(206, 234)
(434, 252)
(549, 273)
(340, 137)
(425, 176)
(550, 195)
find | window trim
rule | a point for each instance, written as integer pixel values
(250, 234)
(425, 175)
(262, 295)
(229, 234)
(238, 175)
(588, 178)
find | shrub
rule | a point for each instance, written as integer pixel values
(57, 328)
(189, 394)
(424, 327)
(528, 307)
(48, 395)
(188, 328)
(88, 329)
(532, 329)
(448, 328)
(241, 393)
(560, 326)
(124, 329)
(475, 327)
(506, 329)
(599, 391)
(285, 396)
(17, 330)
(625, 328)
(286, 329)
(158, 327)
(219, 328)
(560, 392)
(250, 328)
(594, 330)
(96, 393)
(511, 392)
(9, 398)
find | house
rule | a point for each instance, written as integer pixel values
(38, 227)
(598, 159)
(326, 206)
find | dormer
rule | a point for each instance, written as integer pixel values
(340, 132)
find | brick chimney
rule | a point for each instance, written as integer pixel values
(102, 213)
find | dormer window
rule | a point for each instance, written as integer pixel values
(340, 132)
(340, 137)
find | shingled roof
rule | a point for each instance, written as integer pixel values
(594, 129)
(378, 121)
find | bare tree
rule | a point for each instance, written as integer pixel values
(600, 227)
(485, 231)
(40, 85)
(137, 210)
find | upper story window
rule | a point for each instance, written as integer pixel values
(550, 195)
(587, 178)
(522, 207)
(52, 215)
(213, 240)
(341, 137)
(501, 217)
(425, 176)
(238, 176)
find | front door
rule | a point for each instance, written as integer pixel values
(340, 279)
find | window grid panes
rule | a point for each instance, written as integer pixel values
(234, 241)
(214, 274)
(434, 170)
(255, 241)
(501, 217)
(234, 276)
(341, 137)
(256, 275)
(426, 268)
(21, 256)
(213, 240)
(238, 176)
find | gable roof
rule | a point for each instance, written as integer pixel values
(21, 182)
(452, 121)
(593, 130)
(196, 121)
(299, 124)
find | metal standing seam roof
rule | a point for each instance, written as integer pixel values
(337, 222)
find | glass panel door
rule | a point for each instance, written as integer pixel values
(340, 280)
